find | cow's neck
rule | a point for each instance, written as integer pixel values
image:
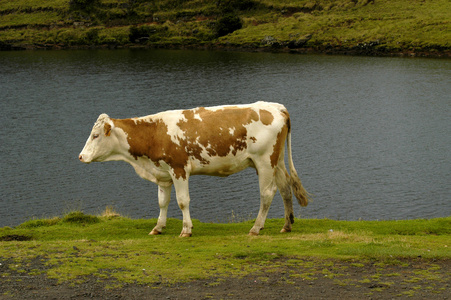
(136, 139)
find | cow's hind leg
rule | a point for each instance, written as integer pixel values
(283, 184)
(268, 189)
(164, 196)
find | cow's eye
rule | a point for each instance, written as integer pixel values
(94, 136)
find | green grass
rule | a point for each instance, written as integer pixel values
(363, 25)
(392, 24)
(33, 4)
(78, 245)
(38, 18)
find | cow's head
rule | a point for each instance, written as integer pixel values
(100, 144)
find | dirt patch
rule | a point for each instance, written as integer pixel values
(15, 237)
(290, 279)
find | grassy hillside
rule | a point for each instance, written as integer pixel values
(417, 27)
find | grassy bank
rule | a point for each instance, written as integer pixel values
(120, 249)
(381, 27)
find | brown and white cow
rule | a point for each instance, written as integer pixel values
(168, 147)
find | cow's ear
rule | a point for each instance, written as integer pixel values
(103, 118)
(107, 129)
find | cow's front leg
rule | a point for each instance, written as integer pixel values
(182, 194)
(164, 196)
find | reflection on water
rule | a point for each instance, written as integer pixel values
(370, 135)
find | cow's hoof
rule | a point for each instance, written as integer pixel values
(185, 234)
(154, 232)
(285, 230)
(251, 233)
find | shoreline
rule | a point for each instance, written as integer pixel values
(368, 51)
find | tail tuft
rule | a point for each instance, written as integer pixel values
(299, 191)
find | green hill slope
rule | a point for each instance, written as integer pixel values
(382, 27)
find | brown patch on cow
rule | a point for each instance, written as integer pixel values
(280, 141)
(266, 117)
(107, 129)
(220, 132)
(253, 138)
(150, 138)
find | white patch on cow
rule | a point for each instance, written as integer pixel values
(256, 109)
(232, 130)
(147, 170)
(171, 119)
(221, 165)
(260, 133)
(255, 106)
(215, 108)
(197, 116)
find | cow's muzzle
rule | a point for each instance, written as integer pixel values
(82, 159)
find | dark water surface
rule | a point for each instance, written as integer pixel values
(371, 136)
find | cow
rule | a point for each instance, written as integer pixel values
(168, 147)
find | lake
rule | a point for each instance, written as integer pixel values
(371, 135)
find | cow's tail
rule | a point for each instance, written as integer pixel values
(301, 194)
